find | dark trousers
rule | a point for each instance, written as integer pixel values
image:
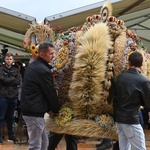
(7, 108)
(141, 118)
(54, 139)
(116, 146)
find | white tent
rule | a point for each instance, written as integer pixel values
(135, 13)
(13, 26)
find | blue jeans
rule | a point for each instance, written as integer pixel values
(131, 135)
(7, 108)
(38, 138)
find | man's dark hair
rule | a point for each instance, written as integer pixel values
(44, 46)
(9, 54)
(136, 59)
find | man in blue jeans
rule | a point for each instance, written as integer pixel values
(10, 80)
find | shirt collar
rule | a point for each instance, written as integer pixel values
(44, 62)
(134, 70)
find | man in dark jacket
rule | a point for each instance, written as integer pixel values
(39, 96)
(131, 90)
(10, 80)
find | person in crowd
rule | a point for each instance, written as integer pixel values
(18, 64)
(26, 63)
(131, 90)
(54, 139)
(39, 96)
(10, 79)
(148, 121)
(141, 116)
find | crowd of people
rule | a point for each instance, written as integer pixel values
(38, 96)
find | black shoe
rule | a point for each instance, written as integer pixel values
(12, 139)
(106, 143)
(1, 141)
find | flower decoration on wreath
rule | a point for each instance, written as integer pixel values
(64, 52)
(33, 49)
(36, 34)
(64, 115)
(104, 120)
(131, 46)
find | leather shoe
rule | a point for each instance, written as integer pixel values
(106, 143)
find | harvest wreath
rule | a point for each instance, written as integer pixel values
(100, 52)
(87, 59)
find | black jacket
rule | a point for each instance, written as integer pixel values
(131, 90)
(38, 92)
(10, 80)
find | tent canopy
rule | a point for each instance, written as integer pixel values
(13, 26)
(135, 14)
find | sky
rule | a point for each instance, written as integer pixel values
(44, 8)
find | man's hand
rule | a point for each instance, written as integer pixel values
(52, 114)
